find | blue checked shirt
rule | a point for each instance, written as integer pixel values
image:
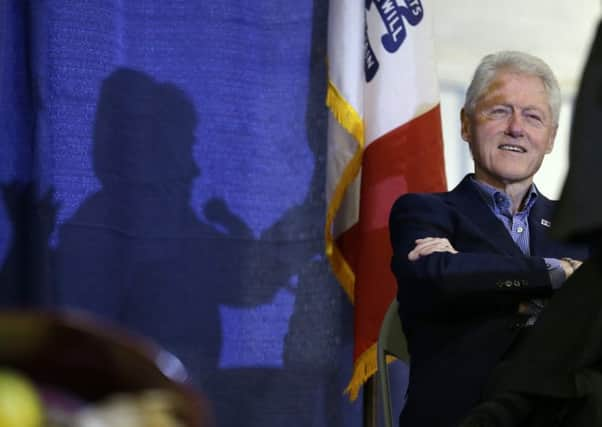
(517, 226)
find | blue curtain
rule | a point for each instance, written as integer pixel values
(162, 166)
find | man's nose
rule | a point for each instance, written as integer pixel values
(515, 124)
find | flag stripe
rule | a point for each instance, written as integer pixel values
(385, 176)
(407, 159)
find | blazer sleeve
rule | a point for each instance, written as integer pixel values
(477, 279)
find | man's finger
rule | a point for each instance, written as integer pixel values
(425, 239)
(428, 247)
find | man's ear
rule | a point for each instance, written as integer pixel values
(550, 146)
(465, 130)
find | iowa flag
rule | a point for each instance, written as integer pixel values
(384, 139)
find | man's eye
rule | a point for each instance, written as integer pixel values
(534, 118)
(498, 112)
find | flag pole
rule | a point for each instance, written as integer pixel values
(369, 402)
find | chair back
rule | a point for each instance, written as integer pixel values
(391, 342)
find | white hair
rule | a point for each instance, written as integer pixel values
(518, 62)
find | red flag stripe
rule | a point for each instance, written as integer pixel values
(407, 159)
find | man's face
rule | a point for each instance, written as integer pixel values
(510, 130)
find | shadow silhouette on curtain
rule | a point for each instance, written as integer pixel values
(256, 320)
(135, 252)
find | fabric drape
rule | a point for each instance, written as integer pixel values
(162, 167)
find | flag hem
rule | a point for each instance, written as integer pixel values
(351, 121)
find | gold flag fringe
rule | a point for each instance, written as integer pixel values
(352, 122)
(345, 114)
(364, 367)
(366, 364)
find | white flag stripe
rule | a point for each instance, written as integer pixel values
(346, 50)
(406, 83)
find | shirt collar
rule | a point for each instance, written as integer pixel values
(499, 202)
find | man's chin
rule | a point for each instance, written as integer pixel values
(516, 178)
(515, 172)
(506, 177)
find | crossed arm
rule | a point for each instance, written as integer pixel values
(468, 274)
(429, 245)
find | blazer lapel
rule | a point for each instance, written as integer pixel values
(466, 199)
(540, 222)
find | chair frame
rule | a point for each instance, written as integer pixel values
(391, 342)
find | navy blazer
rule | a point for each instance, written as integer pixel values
(459, 311)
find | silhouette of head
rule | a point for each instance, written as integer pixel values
(143, 131)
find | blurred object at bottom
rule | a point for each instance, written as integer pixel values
(84, 372)
(152, 408)
(20, 403)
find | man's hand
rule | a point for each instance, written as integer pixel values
(428, 245)
(569, 266)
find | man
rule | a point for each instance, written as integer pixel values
(475, 265)
(553, 377)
